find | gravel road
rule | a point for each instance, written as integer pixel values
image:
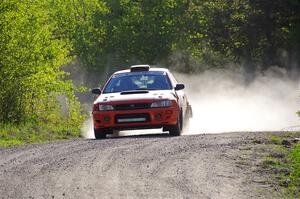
(148, 166)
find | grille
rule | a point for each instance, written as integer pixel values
(134, 106)
(132, 118)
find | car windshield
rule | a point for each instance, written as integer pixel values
(138, 81)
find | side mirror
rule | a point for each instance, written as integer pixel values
(179, 87)
(96, 91)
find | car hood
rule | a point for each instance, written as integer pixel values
(151, 96)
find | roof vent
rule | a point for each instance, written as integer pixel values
(139, 68)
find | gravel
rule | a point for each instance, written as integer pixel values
(147, 166)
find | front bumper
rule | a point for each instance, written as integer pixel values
(135, 119)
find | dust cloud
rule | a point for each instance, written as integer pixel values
(223, 102)
(87, 129)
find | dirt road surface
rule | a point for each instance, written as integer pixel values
(149, 166)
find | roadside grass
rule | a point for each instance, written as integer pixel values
(29, 133)
(283, 162)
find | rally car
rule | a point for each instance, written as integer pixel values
(140, 98)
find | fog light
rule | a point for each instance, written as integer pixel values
(106, 118)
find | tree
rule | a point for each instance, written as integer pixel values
(30, 58)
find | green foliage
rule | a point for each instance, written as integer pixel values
(284, 163)
(80, 22)
(294, 159)
(32, 51)
(127, 31)
(32, 132)
(203, 33)
(276, 139)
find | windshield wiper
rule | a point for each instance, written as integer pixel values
(134, 92)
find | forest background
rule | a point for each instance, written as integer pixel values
(45, 45)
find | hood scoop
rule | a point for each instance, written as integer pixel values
(134, 92)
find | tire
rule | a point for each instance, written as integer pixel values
(176, 130)
(99, 134)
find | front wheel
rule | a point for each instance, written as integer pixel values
(100, 133)
(175, 130)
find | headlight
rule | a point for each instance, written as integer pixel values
(163, 103)
(105, 107)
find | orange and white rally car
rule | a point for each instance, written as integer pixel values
(141, 98)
